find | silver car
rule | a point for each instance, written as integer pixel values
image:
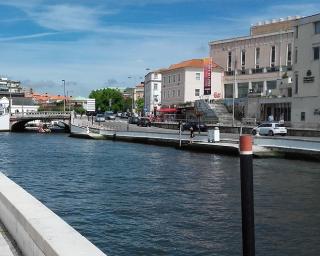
(272, 128)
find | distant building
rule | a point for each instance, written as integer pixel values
(306, 78)
(152, 91)
(19, 105)
(258, 68)
(139, 91)
(184, 82)
(10, 88)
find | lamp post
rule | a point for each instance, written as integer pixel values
(64, 95)
(234, 85)
(68, 95)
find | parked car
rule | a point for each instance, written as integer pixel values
(119, 114)
(195, 125)
(133, 120)
(144, 121)
(100, 118)
(271, 128)
(124, 115)
(109, 115)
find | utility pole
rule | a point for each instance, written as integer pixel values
(234, 84)
(64, 95)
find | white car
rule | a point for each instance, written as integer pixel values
(272, 128)
(100, 118)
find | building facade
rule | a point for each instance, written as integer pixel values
(184, 82)
(152, 92)
(259, 66)
(306, 78)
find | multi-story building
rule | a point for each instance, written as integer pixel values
(10, 88)
(184, 82)
(139, 91)
(152, 91)
(261, 64)
(306, 68)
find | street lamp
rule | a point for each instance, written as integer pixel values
(234, 84)
(64, 95)
(68, 95)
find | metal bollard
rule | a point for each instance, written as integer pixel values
(247, 201)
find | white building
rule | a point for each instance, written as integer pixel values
(152, 91)
(19, 105)
(306, 79)
(259, 66)
(10, 86)
(184, 82)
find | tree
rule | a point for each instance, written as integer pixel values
(108, 99)
(139, 104)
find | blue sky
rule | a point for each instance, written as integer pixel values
(98, 43)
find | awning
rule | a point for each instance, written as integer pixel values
(167, 110)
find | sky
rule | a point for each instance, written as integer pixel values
(95, 44)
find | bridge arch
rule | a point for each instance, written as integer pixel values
(19, 121)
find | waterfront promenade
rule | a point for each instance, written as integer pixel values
(264, 146)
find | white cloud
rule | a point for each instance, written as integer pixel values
(23, 37)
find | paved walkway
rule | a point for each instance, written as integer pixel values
(8, 246)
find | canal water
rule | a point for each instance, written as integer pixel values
(135, 199)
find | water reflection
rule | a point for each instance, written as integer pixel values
(132, 199)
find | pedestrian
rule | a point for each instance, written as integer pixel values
(191, 134)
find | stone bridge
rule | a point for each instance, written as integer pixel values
(19, 120)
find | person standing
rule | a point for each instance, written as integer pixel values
(191, 134)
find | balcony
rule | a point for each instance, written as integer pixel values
(243, 72)
(272, 69)
(257, 70)
(229, 73)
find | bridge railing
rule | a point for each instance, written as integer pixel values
(42, 114)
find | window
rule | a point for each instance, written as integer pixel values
(271, 85)
(164, 79)
(228, 90)
(296, 83)
(289, 54)
(316, 53)
(155, 87)
(155, 76)
(197, 76)
(243, 90)
(317, 27)
(257, 57)
(178, 77)
(169, 79)
(197, 92)
(178, 93)
(173, 93)
(296, 31)
(174, 78)
(295, 55)
(303, 116)
(273, 56)
(243, 59)
(229, 61)
(257, 87)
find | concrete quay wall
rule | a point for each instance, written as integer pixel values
(35, 228)
(245, 129)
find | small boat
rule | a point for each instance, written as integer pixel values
(44, 129)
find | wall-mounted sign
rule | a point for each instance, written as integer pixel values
(207, 70)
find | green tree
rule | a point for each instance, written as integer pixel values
(106, 97)
(139, 104)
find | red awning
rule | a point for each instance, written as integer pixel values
(167, 110)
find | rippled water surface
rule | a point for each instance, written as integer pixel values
(134, 199)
